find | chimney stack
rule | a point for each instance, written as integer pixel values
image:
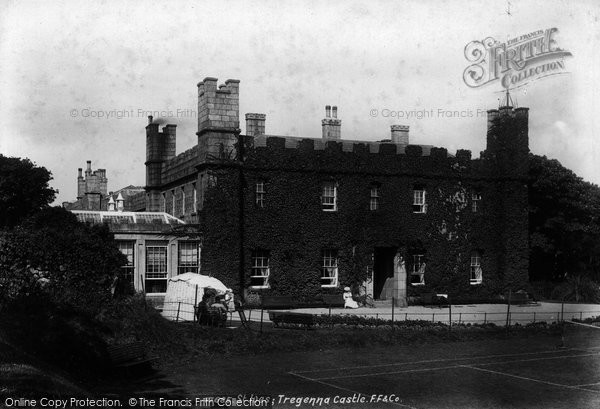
(334, 112)
(150, 118)
(80, 184)
(400, 134)
(255, 124)
(332, 127)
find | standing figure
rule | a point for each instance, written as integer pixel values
(228, 300)
(348, 300)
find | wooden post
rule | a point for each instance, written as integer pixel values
(195, 301)
(393, 302)
(143, 291)
(178, 307)
(562, 324)
(262, 311)
(508, 311)
(449, 314)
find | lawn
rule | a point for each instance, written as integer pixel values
(523, 370)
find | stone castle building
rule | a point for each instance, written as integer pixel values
(92, 193)
(308, 216)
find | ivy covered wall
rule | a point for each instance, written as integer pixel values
(293, 227)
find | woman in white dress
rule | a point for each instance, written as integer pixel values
(348, 300)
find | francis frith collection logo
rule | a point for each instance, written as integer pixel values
(515, 62)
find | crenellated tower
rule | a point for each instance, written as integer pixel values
(508, 139)
(507, 159)
(160, 148)
(218, 119)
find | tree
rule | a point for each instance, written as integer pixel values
(24, 190)
(579, 289)
(563, 222)
(53, 254)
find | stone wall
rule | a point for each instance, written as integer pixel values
(294, 228)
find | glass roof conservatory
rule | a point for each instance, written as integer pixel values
(118, 217)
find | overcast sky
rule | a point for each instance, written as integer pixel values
(63, 62)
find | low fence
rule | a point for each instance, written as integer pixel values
(444, 316)
(184, 311)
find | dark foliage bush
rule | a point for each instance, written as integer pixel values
(56, 334)
(578, 289)
(52, 253)
(24, 190)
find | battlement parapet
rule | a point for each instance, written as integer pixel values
(309, 144)
(190, 154)
(438, 153)
(181, 166)
(414, 150)
(361, 156)
(463, 155)
(507, 111)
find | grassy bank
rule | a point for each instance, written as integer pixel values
(196, 341)
(56, 343)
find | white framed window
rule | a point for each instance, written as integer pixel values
(260, 194)
(182, 199)
(419, 203)
(417, 273)
(202, 189)
(156, 267)
(127, 248)
(329, 197)
(329, 268)
(476, 272)
(188, 257)
(195, 199)
(374, 202)
(475, 202)
(173, 203)
(259, 277)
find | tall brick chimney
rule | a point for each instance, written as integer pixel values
(80, 184)
(332, 127)
(400, 134)
(255, 124)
